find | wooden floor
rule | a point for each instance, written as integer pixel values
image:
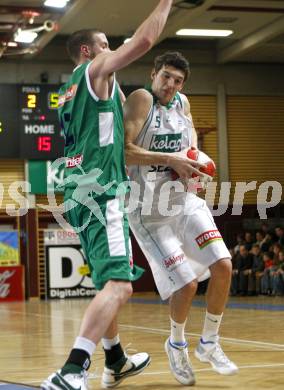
(36, 336)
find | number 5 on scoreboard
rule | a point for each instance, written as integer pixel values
(53, 100)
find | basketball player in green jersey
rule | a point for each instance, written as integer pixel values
(91, 118)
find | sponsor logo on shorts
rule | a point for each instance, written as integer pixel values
(174, 260)
(207, 238)
(72, 162)
(69, 95)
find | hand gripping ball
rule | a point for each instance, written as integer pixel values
(198, 183)
(201, 157)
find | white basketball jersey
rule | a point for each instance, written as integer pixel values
(167, 129)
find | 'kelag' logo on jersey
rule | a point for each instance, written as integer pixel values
(166, 143)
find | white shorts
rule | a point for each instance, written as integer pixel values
(179, 249)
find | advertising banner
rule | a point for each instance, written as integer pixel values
(60, 237)
(12, 284)
(67, 274)
(43, 178)
(9, 248)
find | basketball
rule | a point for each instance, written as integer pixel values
(199, 182)
(203, 158)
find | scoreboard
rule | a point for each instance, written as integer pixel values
(29, 125)
(9, 122)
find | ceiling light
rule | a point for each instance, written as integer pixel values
(204, 33)
(56, 3)
(23, 36)
(12, 44)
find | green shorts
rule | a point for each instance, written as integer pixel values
(105, 240)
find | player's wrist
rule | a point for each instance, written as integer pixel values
(169, 158)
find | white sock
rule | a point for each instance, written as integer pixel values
(177, 333)
(85, 344)
(109, 343)
(211, 326)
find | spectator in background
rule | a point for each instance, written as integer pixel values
(278, 276)
(248, 240)
(244, 265)
(256, 271)
(234, 289)
(267, 242)
(240, 240)
(279, 231)
(265, 228)
(265, 280)
(260, 239)
(276, 248)
(270, 273)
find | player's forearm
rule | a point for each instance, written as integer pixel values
(135, 155)
(151, 28)
(194, 139)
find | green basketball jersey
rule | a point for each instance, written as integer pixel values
(94, 136)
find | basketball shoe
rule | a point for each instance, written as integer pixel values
(180, 364)
(211, 352)
(66, 381)
(125, 367)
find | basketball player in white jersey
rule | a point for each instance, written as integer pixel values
(175, 228)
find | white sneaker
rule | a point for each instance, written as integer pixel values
(115, 374)
(211, 352)
(70, 381)
(180, 364)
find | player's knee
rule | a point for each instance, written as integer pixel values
(190, 288)
(127, 291)
(124, 291)
(222, 267)
(121, 291)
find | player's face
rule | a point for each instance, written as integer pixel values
(167, 82)
(100, 45)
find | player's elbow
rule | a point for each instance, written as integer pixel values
(145, 43)
(128, 154)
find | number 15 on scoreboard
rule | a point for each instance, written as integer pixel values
(44, 144)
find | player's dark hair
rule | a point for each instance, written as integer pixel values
(79, 38)
(175, 59)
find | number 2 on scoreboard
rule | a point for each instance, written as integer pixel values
(31, 100)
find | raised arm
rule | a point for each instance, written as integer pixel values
(141, 42)
(136, 109)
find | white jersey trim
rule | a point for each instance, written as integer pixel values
(114, 229)
(89, 85)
